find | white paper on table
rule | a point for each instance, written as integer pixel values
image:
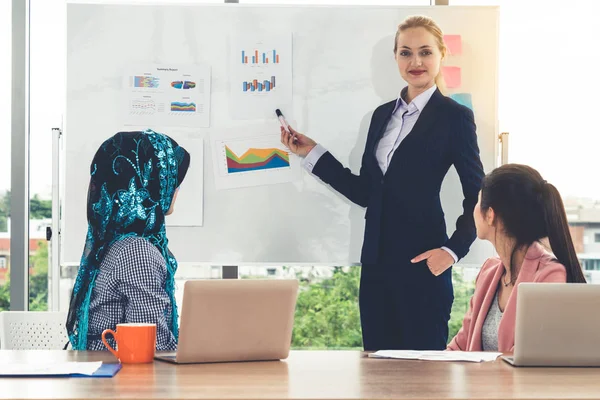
(435, 355)
(66, 368)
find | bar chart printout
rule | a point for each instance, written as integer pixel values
(263, 58)
(261, 75)
(259, 86)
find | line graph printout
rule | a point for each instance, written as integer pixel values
(253, 161)
(261, 75)
(166, 95)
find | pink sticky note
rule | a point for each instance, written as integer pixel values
(454, 44)
(451, 76)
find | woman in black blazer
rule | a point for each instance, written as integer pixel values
(406, 281)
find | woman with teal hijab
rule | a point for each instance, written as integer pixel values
(127, 271)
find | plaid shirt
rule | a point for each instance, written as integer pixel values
(130, 287)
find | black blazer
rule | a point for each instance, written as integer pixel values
(404, 214)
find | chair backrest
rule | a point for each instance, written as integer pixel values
(32, 330)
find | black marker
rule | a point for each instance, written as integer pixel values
(282, 121)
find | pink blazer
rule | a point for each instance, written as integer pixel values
(538, 266)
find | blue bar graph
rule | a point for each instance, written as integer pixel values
(256, 60)
(264, 85)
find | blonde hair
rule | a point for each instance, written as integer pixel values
(421, 21)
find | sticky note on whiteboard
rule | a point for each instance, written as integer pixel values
(464, 99)
(451, 77)
(454, 44)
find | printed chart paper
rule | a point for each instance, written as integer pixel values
(164, 95)
(261, 75)
(253, 161)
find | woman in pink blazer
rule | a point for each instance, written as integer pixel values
(515, 211)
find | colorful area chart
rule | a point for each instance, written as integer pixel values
(256, 159)
(183, 107)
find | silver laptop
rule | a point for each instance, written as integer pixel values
(235, 320)
(558, 325)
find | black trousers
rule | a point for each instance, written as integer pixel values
(404, 307)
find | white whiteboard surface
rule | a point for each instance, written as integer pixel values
(343, 68)
(191, 195)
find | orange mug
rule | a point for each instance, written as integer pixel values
(135, 342)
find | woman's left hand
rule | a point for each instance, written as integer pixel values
(438, 260)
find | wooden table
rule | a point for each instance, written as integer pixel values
(305, 375)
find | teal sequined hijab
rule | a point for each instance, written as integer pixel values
(134, 176)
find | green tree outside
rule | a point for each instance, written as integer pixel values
(39, 209)
(463, 291)
(4, 211)
(5, 296)
(327, 314)
(38, 281)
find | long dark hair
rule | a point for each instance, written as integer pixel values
(530, 209)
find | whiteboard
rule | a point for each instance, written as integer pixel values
(343, 68)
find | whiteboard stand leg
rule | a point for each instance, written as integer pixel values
(53, 234)
(230, 272)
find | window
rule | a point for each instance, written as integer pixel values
(327, 314)
(327, 307)
(47, 99)
(597, 237)
(539, 34)
(534, 129)
(591, 265)
(3, 263)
